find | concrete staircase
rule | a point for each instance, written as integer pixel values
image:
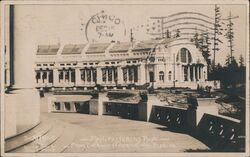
(49, 136)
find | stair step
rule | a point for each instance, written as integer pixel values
(63, 142)
(27, 137)
(43, 141)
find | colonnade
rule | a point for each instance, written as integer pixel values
(108, 75)
(44, 76)
(191, 73)
(114, 75)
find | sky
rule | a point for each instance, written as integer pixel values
(53, 24)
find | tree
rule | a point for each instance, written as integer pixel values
(217, 31)
(195, 39)
(231, 62)
(241, 61)
(202, 42)
(204, 47)
(230, 35)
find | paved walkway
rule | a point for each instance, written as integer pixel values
(112, 134)
(94, 133)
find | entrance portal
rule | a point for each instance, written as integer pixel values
(151, 76)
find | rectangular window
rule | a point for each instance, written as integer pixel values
(51, 76)
(73, 76)
(104, 75)
(60, 76)
(109, 74)
(38, 75)
(130, 74)
(94, 75)
(67, 75)
(88, 75)
(67, 106)
(57, 105)
(136, 74)
(124, 70)
(83, 75)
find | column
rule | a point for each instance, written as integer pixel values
(132, 74)
(91, 76)
(180, 73)
(85, 76)
(188, 73)
(42, 80)
(166, 74)
(113, 75)
(142, 74)
(77, 76)
(127, 68)
(25, 99)
(156, 77)
(194, 79)
(55, 77)
(198, 72)
(63, 79)
(70, 72)
(205, 72)
(107, 75)
(202, 73)
(98, 75)
(119, 75)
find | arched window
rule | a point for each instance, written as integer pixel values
(161, 76)
(184, 56)
(169, 75)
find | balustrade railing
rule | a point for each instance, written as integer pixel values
(222, 133)
(173, 118)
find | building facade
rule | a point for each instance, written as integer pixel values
(160, 63)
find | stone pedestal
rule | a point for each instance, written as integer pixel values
(10, 128)
(143, 111)
(22, 111)
(93, 106)
(96, 105)
(150, 102)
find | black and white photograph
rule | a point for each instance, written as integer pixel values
(141, 77)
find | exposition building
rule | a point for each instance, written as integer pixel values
(159, 63)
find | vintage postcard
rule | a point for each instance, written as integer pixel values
(124, 78)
